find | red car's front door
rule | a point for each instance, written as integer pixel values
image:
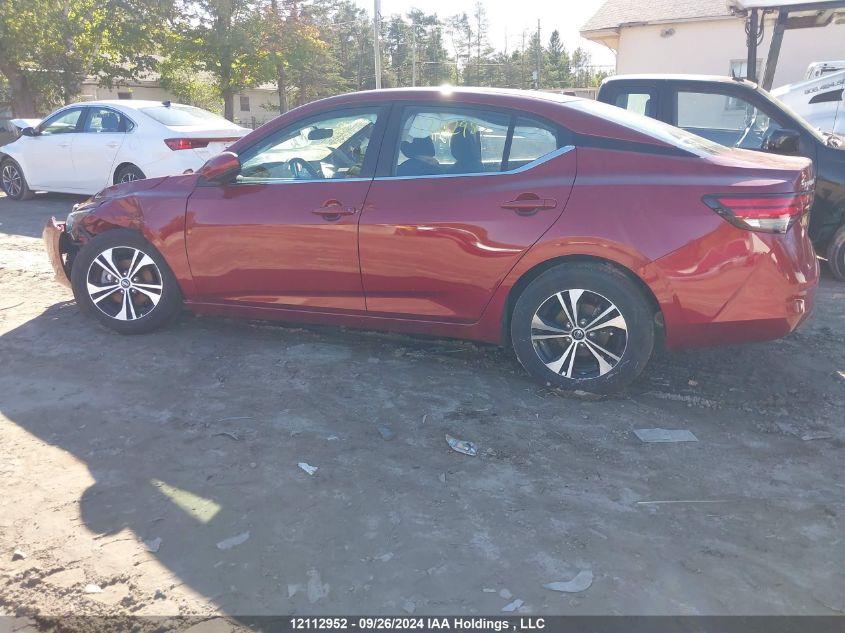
(466, 193)
(284, 232)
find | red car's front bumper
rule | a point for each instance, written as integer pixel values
(57, 243)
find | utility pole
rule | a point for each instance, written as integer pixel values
(413, 54)
(539, 53)
(376, 49)
(522, 63)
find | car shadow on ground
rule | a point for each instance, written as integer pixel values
(193, 435)
(16, 218)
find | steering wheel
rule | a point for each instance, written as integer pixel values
(299, 165)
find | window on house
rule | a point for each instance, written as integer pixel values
(244, 104)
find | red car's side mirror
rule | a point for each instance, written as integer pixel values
(219, 167)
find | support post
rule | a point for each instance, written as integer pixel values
(774, 50)
(753, 26)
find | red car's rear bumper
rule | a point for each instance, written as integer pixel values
(737, 286)
(56, 242)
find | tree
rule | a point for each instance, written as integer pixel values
(222, 38)
(196, 89)
(557, 67)
(49, 47)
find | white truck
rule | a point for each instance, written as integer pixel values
(820, 97)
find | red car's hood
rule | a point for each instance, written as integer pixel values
(124, 188)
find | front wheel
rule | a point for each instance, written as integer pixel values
(836, 254)
(13, 181)
(120, 280)
(583, 327)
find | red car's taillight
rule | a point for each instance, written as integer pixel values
(186, 143)
(772, 213)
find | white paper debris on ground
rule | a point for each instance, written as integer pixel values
(582, 581)
(513, 606)
(505, 594)
(18, 554)
(308, 468)
(462, 446)
(665, 435)
(234, 541)
(816, 435)
(154, 545)
(93, 589)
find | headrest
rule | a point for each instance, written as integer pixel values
(109, 121)
(418, 147)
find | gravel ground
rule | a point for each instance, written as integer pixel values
(164, 469)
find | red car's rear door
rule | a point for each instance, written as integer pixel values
(284, 232)
(462, 193)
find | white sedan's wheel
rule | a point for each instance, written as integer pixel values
(13, 182)
(128, 173)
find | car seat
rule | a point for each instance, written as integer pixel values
(465, 146)
(109, 122)
(421, 161)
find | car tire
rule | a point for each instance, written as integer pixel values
(13, 181)
(120, 280)
(613, 334)
(128, 173)
(836, 254)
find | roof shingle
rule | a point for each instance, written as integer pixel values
(614, 13)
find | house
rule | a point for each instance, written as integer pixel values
(703, 37)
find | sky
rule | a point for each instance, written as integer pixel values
(508, 18)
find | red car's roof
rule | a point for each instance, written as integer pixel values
(490, 95)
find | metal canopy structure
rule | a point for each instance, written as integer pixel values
(791, 14)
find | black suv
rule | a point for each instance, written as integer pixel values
(739, 113)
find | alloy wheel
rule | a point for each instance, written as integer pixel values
(11, 180)
(129, 176)
(579, 334)
(124, 283)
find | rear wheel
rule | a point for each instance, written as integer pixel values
(583, 327)
(13, 181)
(119, 279)
(836, 254)
(128, 173)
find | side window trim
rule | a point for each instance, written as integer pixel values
(382, 112)
(387, 162)
(125, 119)
(560, 151)
(79, 122)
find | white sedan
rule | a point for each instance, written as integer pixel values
(85, 147)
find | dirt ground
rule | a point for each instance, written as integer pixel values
(193, 436)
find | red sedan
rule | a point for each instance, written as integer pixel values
(576, 232)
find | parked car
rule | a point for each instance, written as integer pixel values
(820, 97)
(738, 113)
(84, 147)
(574, 231)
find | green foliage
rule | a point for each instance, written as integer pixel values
(49, 47)
(207, 51)
(191, 87)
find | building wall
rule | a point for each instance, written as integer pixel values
(708, 47)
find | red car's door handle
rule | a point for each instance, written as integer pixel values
(529, 203)
(333, 209)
